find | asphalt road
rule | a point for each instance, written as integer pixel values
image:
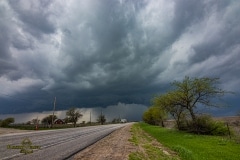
(52, 144)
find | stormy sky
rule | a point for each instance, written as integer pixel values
(92, 53)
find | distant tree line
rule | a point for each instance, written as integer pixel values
(72, 116)
(183, 103)
(6, 122)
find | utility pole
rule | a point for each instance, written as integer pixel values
(90, 118)
(54, 106)
(36, 128)
(101, 118)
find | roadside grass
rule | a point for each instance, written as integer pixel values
(148, 147)
(45, 127)
(194, 147)
(33, 127)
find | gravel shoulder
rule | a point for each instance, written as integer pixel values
(11, 130)
(129, 142)
(113, 147)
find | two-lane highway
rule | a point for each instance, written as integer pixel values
(52, 144)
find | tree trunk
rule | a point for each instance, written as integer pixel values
(195, 125)
(192, 115)
(162, 123)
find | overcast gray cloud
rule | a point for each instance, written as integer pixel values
(98, 53)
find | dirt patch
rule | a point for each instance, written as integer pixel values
(113, 147)
(129, 142)
(10, 130)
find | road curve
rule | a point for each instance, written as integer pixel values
(54, 144)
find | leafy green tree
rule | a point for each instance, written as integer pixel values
(155, 115)
(101, 119)
(167, 102)
(116, 120)
(28, 122)
(73, 115)
(192, 92)
(6, 122)
(9, 120)
(186, 96)
(48, 119)
(35, 121)
(148, 116)
(66, 120)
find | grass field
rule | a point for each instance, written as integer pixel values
(45, 127)
(194, 147)
(148, 148)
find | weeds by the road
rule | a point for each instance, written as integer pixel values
(148, 147)
(48, 127)
(194, 147)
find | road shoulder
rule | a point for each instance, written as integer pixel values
(129, 142)
(113, 147)
(4, 131)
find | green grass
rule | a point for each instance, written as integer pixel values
(33, 127)
(147, 149)
(194, 147)
(44, 127)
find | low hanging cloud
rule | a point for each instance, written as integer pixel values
(96, 54)
(131, 112)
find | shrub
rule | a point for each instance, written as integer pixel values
(205, 125)
(219, 128)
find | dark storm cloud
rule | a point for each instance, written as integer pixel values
(15, 45)
(34, 15)
(6, 62)
(99, 53)
(4, 38)
(110, 52)
(225, 35)
(186, 13)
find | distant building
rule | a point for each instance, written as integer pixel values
(59, 121)
(123, 121)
